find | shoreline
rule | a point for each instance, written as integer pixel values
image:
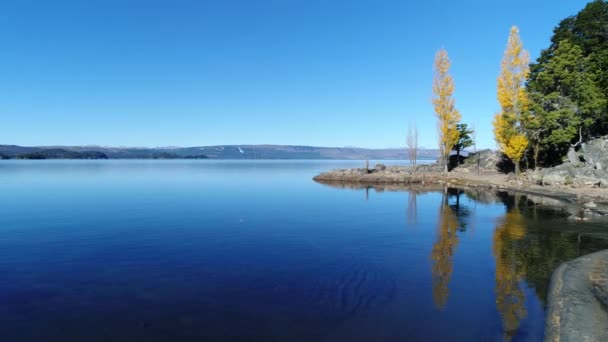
(577, 291)
(591, 199)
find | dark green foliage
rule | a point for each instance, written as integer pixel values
(464, 139)
(587, 29)
(199, 156)
(58, 153)
(568, 85)
(20, 152)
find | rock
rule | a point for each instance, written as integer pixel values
(573, 157)
(578, 218)
(578, 298)
(380, 167)
(590, 205)
(487, 160)
(568, 174)
(555, 175)
(594, 153)
(588, 167)
(435, 167)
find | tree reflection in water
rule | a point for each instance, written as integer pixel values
(412, 207)
(529, 240)
(443, 252)
(508, 239)
(510, 270)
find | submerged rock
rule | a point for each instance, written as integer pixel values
(578, 300)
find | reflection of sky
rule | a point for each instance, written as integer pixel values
(257, 238)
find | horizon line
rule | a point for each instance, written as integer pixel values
(219, 145)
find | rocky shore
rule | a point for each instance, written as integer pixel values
(582, 179)
(578, 297)
(592, 199)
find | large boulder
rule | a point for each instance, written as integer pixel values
(574, 175)
(489, 160)
(595, 153)
(380, 167)
(587, 167)
(578, 299)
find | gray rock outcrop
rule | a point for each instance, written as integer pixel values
(578, 300)
(595, 153)
(590, 167)
(488, 161)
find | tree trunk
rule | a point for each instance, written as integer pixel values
(536, 152)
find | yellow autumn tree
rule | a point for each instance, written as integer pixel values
(513, 99)
(443, 103)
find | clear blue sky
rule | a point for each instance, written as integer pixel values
(309, 72)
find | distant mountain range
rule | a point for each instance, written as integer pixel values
(203, 152)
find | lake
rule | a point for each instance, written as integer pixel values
(257, 251)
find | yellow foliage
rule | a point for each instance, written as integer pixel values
(501, 126)
(513, 99)
(514, 70)
(516, 147)
(443, 102)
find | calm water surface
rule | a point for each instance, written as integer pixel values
(257, 251)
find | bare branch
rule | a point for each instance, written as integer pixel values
(411, 143)
(580, 136)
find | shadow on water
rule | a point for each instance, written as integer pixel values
(529, 241)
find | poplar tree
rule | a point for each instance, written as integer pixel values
(443, 102)
(510, 121)
(411, 143)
